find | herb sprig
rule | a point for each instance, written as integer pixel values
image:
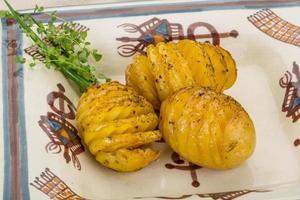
(63, 48)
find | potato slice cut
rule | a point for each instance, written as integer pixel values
(126, 140)
(139, 76)
(145, 122)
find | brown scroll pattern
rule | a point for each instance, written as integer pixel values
(291, 102)
(62, 134)
(179, 164)
(276, 27)
(158, 30)
(229, 195)
(54, 187)
(214, 196)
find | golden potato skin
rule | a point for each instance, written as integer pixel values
(168, 67)
(139, 77)
(207, 128)
(231, 67)
(114, 121)
(125, 160)
(199, 63)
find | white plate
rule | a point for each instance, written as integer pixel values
(30, 167)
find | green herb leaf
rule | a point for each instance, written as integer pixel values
(32, 64)
(83, 35)
(83, 56)
(53, 18)
(97, 56)
(63, 48)
(4, 13)
(19, 59)
(38, 9)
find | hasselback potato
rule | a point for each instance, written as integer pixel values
(114, 121)
(207, 128)
(168, 67)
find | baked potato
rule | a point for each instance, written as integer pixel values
(114, 122)
(207, 128)
(168, 67)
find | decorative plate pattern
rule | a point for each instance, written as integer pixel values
(42, 154)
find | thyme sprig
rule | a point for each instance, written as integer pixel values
(63, 48)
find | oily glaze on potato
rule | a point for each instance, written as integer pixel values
(168, 67)
(114, 121)
(207, 128)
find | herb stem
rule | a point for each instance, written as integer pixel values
(65, 49)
